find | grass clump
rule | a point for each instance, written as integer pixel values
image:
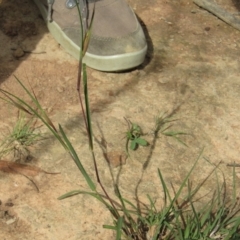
(21, 138)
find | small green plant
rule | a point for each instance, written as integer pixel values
(134, 136)
(23, 136)
(162, 125)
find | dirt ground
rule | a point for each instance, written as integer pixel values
(191, 72)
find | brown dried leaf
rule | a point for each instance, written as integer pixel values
(18, 168)
(115, 158)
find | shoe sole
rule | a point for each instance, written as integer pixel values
(114, 63)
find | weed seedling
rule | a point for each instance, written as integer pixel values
(134, 136)
(162, 124)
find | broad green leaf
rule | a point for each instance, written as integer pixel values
(141, 141)
(133, 145)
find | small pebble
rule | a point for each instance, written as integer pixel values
(60, 89)
(18, 53)
(11, 220)
(9, 204)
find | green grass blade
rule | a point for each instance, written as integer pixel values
(36, 102)
(152, 204)
(12, 102)
(93, 194)
(119, 227)
(131, 204)
(174, 133)
(165, 189)
(70, 194)
(77, 160)
(87, 37)
(132, 224)
(88, 113)
(110, 227)
(196, 223)
(234, 194)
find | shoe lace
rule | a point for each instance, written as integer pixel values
(71, 4)
(83, 8)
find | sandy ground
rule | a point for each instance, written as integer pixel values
(191, 72)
